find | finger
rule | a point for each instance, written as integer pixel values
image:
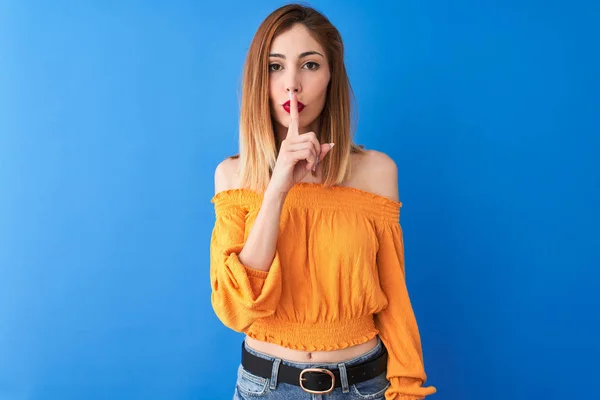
(305, 154)
(304, 141)
(299, 146)
(325, 149)
(309, 137)
(293, 128)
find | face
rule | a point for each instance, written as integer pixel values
(297, 62)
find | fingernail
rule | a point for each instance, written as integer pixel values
(331, 145)
(290, 96)
(315, 166)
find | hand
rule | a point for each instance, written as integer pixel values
(298, 154)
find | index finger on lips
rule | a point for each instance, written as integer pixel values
(293, 114)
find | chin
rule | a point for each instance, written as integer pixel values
(302, 121)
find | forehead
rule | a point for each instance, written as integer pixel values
(294, 41)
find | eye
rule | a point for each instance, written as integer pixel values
(313, 66)
(274, 67)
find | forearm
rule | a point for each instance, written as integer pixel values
(259, 248)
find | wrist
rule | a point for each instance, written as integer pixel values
(274, 196)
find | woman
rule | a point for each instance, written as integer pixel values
(306, 251)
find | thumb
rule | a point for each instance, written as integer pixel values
(325, 148)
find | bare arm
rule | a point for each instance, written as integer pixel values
(259, 249)
(298, 155)
(381, 175)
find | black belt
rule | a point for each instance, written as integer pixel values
(315, 380)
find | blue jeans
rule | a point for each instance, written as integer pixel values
(252, 387)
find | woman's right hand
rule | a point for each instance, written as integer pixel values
(298, 154)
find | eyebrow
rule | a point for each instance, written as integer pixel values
(305, 54)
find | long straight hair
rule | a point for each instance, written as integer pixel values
(257, 142)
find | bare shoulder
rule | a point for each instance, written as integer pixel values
(378, 173)
(226, 174)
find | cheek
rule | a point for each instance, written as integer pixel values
(325, 83)
(319, 88)
(274, 92)
(272, 95)
(271, 91)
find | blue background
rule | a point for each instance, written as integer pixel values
(113, 116)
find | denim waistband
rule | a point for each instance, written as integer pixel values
(354, 361)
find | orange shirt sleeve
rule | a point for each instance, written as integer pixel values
(240, 295)
(396, 323)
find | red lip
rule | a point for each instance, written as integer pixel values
(286, 106)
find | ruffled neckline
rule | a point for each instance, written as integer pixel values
(317, 195)
(311, 187)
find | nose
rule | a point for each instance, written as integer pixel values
(292, 82)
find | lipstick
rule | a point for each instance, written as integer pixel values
(286, 106)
